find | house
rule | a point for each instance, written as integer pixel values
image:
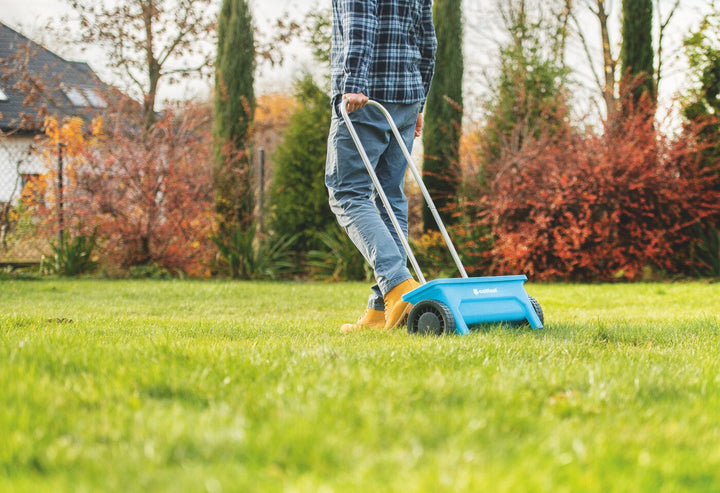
(35, 83)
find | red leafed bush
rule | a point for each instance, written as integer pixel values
(599, 207)
(149, 193)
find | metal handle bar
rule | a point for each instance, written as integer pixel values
(418, 178)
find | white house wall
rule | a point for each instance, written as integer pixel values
(17, 157)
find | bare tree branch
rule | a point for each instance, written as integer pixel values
(145, 40)
(588, 53)
(664, 23)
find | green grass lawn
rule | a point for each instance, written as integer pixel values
(230, 386)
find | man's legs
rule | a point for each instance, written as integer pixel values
(390, 171)
(357, 207)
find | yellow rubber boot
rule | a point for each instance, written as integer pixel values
(397, 310)
(371, 319)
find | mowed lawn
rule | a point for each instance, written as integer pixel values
(250, 387)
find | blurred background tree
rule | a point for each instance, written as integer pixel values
(444, 112)
(234, 112)
(637, 54)
(529, 94)
(702, 103)
(149, 42)
(298, 195)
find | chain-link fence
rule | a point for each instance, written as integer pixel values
(21, 167)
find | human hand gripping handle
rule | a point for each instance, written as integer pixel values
(355, 101)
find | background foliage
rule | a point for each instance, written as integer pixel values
(234, 98)
(637, 53)
(298, 196)
(444, 112)
(616, 205)
(145, 195)
(541, 189)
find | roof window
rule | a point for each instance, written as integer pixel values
(93, 97)
(85, 97)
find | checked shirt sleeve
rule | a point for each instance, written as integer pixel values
(360, 31)
(427, 42)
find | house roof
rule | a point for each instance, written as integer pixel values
(35, 82)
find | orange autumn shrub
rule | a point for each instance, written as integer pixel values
(147, 193)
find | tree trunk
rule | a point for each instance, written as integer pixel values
(609, 64)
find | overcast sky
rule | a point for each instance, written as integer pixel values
(30, 17)
(36, 12)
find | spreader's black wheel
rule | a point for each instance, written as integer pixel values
(538, 309)
(430, 317)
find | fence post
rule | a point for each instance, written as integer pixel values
(60, 216)
(261, 187)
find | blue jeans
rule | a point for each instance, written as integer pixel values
(353, 200)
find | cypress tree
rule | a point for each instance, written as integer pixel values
(444, 111)
(637, 53)
(234, 110)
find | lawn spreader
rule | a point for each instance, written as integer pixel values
(446, 306)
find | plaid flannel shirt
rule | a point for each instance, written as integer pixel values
(384, 49)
